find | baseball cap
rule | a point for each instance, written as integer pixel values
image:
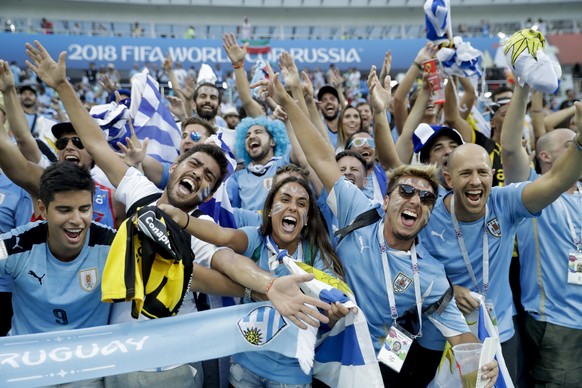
(230, 111)
(327, 89)
(60, 128)
(27, 87)
(425, 135)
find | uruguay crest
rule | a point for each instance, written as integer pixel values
(494, 228)
(401, 282)
(261, 325)
(88, 279)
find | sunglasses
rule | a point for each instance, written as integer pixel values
(195, 136)
(426, 197)
(61, 143)
(360, 141)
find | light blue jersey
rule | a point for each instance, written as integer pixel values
(270, 365)
(244, 217)
(49, 294)
(506, 211)
(544, 244)
(361, 256)
(248, 190)
(376, 184)
(15, 210)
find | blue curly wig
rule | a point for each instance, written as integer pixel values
(275, 127)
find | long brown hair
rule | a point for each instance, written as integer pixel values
(315, 232)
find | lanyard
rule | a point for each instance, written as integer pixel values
(276, 256)
(388, 279)
(577, 241)
(463, 248)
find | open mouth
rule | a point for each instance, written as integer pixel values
(73, 234)
(254, 145)
(186, 186)
(408, 217)
(474, 196)
(72, 158)
(289, 224)
(366, 154)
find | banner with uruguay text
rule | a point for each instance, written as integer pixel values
(67, 356)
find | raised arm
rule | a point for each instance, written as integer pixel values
(399, 108)
(554, 119)
(237, 54)
(16, 117)
(468, 99)
(564, 173)
(317, 151)
(404, 144)
(514, 156)
(19, 170)
(207, 230)
(537, 116)
(380, 100)
(54, 75)
(312, 110)
(453, 117)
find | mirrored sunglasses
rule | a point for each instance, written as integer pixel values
(407, 191)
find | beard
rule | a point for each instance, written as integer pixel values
(209, 116)
(332, 117)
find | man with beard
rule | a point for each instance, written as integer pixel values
(329, 106)
(193, 178)
(207, 104)
(263, 145)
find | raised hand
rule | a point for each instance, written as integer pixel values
(177, 106)
(427, 52)
(6, 77)
(235, 53)
(168, 64)
(379, 96)
(273, 87)
(289, 71)
(386, 66)
(42, 64)
(308, 91)
(136, 151)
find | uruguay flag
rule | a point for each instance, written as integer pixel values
(438, 20)
(152, 119)
(112, 118)
(344, 356)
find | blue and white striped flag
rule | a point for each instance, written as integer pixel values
(344, 356)
(152, 119)
(438, 20)
(112, 118)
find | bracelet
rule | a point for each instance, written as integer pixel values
(187, 221)
(269, 285)
(248, 295)
(418, 65)
(238, 65)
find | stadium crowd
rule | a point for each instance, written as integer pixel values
(427, 208)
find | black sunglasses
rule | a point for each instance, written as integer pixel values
(63, 141)
(407, 191)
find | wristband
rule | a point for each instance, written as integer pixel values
(248, 295)
(269, 285)
(187, 221)
(418, 65)
(238, 65)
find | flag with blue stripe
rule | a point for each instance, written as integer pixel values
(344, 355)
(438, 19)
(448, 374)
(152, 119)
(112, 118)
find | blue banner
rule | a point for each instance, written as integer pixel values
(124, 52)
(74, 355)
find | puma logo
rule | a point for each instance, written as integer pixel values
(433, 233)
(17, 245)
(362, 246)
(36, 276)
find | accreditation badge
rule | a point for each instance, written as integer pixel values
(575, 267)
(395, 347)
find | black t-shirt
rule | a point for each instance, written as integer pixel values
(494, 151)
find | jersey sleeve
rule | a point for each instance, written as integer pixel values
(346, 202)
(133, 187)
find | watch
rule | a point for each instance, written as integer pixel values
(248, 295)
